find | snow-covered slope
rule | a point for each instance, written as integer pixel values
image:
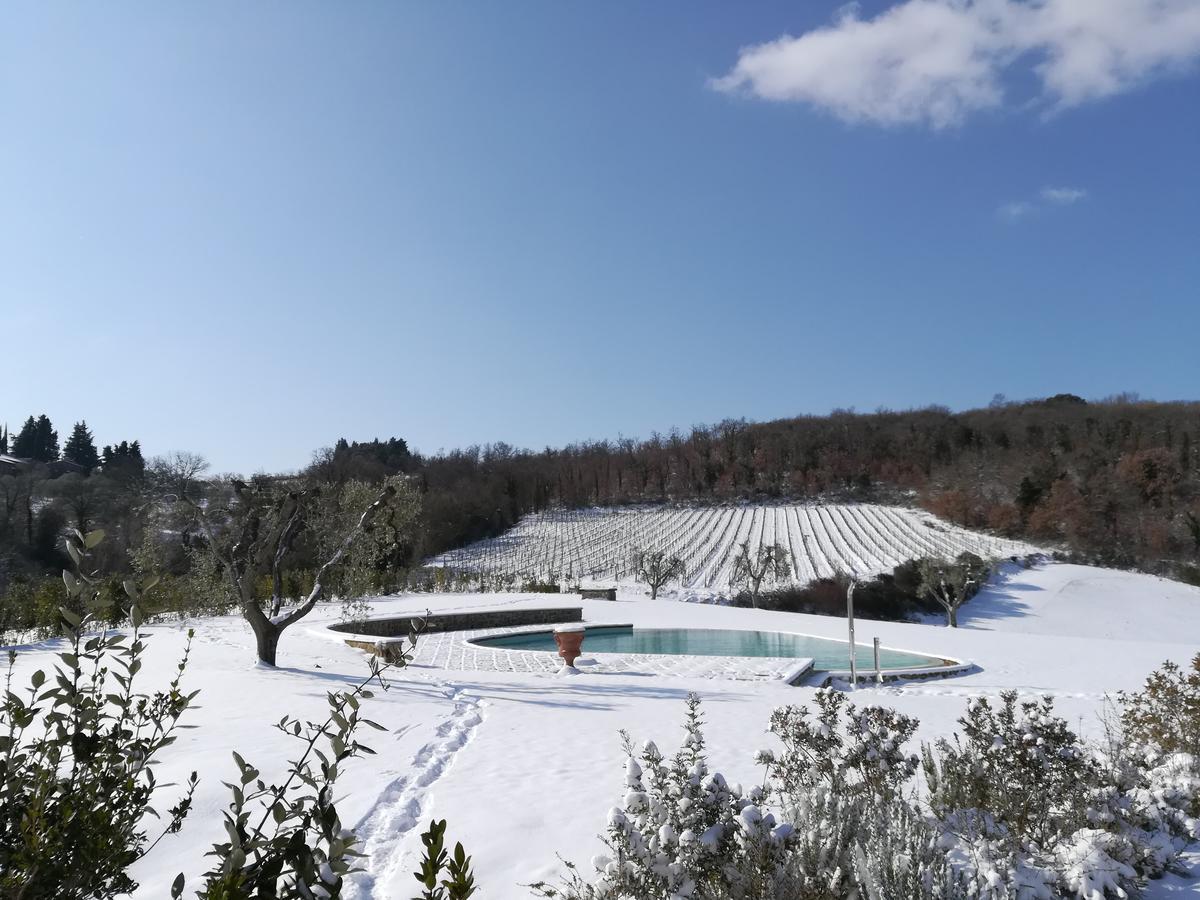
(525, 766)
(1083, 602)
(821, 539)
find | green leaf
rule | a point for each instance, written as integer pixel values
(93, 538)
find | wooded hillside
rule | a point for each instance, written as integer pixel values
(1117, 479)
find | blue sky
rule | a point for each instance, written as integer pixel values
(248, 229)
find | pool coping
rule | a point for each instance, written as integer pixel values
(800, 670)
(950, 668)
(792, 675)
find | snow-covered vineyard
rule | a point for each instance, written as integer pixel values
(821, 540)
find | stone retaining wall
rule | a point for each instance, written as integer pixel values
(598, 593)
(467, 621)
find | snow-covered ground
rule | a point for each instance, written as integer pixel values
(525, 765)
(821, 539)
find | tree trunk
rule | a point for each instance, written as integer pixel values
(951, 616)
(266, 637)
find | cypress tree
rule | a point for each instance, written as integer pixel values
(4, 440)
(81, 449)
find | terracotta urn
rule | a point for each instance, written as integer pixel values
(570, 643)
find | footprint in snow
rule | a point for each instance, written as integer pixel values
(401, 805)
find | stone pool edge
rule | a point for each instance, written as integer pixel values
(789, 670)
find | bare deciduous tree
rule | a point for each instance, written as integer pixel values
(752, 567)
(655, 568)
(177, 475)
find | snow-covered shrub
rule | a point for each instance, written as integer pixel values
(899, 855)
(1027, 808)
(856, 848)
(1150, 794)
(1165, 713)
(1017, 807)
(864, 755)
(1017, 774)
(1146, 799)
(682, 831)
(840, 778)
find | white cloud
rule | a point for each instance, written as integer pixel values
(935, 62)
(1018, 209)
(1046, 198)
(1064, 196)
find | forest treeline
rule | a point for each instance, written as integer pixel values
(1116, 481)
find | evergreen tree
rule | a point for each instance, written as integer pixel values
(81, 449)
(4, 440)
(123, 460)
(47, 440)
(37, 440)
(25, 443)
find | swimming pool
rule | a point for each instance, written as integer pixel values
(826, 654)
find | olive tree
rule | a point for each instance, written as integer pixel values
(751, 567)
(655, 568)
(257, 545)
(952, 582)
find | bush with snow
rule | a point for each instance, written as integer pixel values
(681, 831)
(1165, 713)
(77, 754)
(1017, 806)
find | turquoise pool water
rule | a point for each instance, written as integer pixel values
(826, 654)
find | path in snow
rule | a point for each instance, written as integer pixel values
(402, 805)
